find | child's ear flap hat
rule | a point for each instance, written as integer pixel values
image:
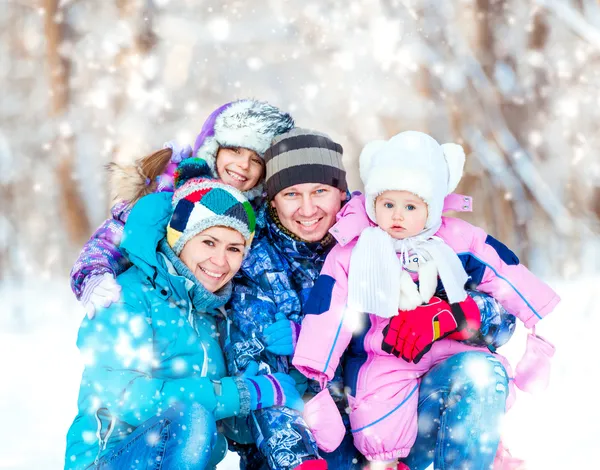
(415, 162)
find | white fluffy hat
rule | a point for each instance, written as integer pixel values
(415, 162)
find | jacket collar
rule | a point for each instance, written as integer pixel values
(284, 241)
(145, 245)
(202, 299)
(352, 219)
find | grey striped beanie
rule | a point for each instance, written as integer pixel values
(303, 156)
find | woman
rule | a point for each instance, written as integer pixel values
(154, 381)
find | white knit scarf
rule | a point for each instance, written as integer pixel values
(378, 284)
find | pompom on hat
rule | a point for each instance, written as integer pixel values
(415, 162)
(243, 123)
(200, 202)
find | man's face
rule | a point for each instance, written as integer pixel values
(308, 210)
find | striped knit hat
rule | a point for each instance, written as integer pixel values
(244, 123)
(304, 156)
(200, 203)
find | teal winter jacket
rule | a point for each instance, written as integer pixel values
(157, 346)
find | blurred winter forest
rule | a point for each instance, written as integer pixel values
(84, 82)
(515, 81)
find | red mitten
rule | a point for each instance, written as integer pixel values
(315, 464)
(411, 333)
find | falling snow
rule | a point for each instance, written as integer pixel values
(517, 85)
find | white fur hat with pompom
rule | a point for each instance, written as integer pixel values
(415, 162)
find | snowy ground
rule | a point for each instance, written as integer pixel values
(38, 326)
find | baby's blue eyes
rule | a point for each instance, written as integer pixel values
(408, 207)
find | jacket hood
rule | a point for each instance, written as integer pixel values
(146, 226)
(145, 245)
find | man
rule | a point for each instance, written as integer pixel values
(306, 187)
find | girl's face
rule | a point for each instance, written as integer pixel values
(214, 256)
(400, 213)
(239, 167)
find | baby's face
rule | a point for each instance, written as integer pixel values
(400, 213)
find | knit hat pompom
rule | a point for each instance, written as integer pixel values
(455, 158)
(191, 168)
(366, 157)
(415, 162)
(246, 123)
(201, 203)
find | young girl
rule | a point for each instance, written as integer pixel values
(387, 240)
(232, 142)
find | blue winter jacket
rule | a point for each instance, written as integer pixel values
(158, 345)
(276, 276)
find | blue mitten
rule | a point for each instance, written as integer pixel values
(273, 390)
(280, 336)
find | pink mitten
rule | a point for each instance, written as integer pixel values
(324, 420)
(505, 461)
(533, 370)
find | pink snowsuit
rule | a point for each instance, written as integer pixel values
(383, 412)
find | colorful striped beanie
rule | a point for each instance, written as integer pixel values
(303, 156)
(200, 202)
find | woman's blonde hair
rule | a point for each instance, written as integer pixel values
(132, 182)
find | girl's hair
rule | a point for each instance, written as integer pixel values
(132, 182)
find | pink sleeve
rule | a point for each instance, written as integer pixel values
(327, 325)
(518, 290)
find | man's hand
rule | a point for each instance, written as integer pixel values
(280, 337)
(411, 333)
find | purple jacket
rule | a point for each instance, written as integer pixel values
(101, 253)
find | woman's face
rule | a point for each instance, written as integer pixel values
(214, 256)
(239, 167)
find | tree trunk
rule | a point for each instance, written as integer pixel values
(71, 204)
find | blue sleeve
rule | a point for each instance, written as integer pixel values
(118, 349)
